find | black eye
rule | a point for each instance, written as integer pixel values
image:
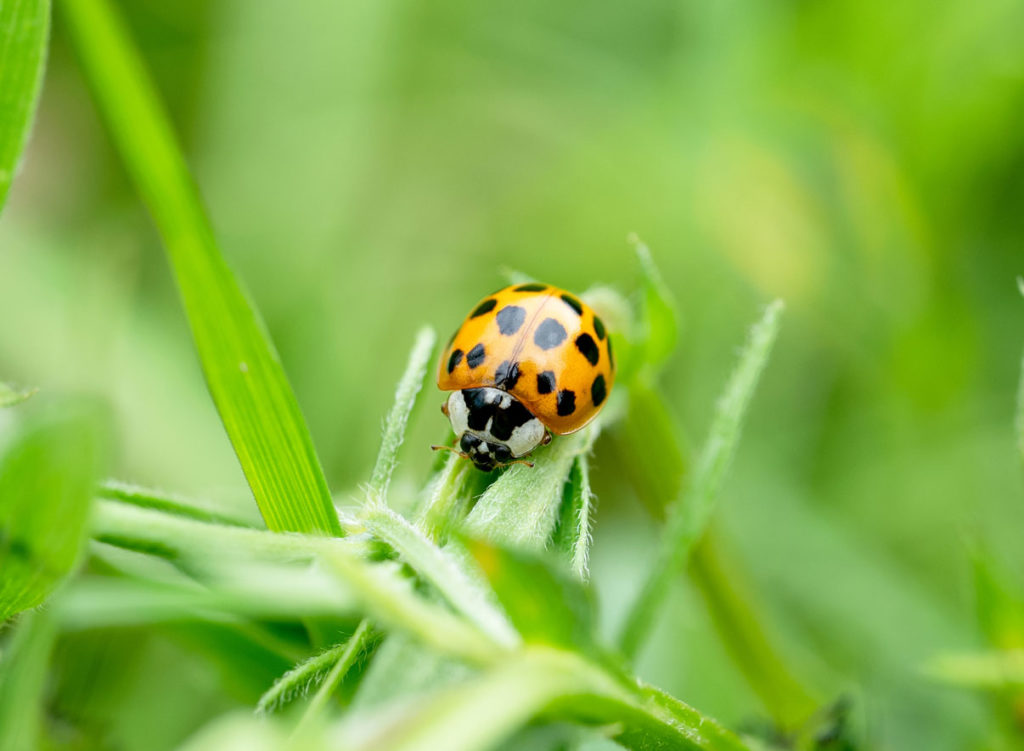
(469, 442)
(501, 453)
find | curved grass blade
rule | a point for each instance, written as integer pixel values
(24, 29)
(243, 372)
(689, 516)
(47, 477)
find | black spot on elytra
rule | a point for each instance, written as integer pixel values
(585, 344)
(573, 303)
(566, 402)
(475, 356)
(531, 287)
(485, 307)
(598, 391)
(549, 334)
(545, 382)
(599, 328)
(611, 357)
(506, 375)
(510, 319)
(454, 360)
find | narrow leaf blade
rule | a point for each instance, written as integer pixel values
(243, 372)
(394, 427)
(24, 29)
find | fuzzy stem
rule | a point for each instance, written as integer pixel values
(690, 514)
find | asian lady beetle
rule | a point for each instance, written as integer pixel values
(528, 359)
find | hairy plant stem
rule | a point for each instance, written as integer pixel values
(720, 583)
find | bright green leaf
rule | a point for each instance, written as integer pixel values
(47, 477)
(243, 372)
(24, 28)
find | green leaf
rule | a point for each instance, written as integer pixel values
(146, 498)
(544, 601)
(24, 29)
(442, 570)
(521, 507)
(394, 427)
(689, 516)
(357, 645)
(659, 319)
(573, 534)
(22, 679)
(305, 675)
(479, 713)
(10, 396)
(243, 372)
(240, 566)
(47, 476)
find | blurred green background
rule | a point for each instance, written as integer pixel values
(374, 165)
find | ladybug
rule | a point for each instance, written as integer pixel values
(529, 359)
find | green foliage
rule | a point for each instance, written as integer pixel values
(545, 603)
(242, 368)
(368, 173)
(24, 29)
(22, 680)
(690, 515)
(394, 426)
(48, 471)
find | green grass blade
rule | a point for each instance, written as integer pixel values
(22, 679)
(24, 29)
(243, 372)
(394, 427)
(47, 477)
(690, 515)
(9, 397)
